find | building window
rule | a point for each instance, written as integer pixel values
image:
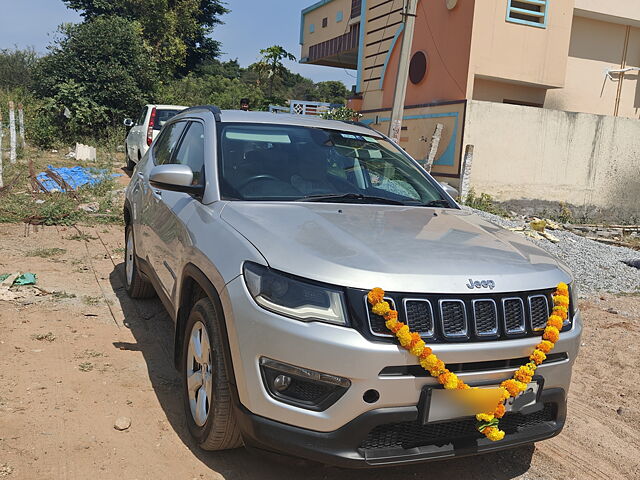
(325, 21)
(528, 12)
(312, 28)
(339, 16)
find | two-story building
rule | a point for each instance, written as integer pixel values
(567, 55)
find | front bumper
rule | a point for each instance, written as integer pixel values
(353, 446)
(335, 435)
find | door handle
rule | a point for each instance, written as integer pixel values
(157, 193)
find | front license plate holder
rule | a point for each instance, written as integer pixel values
(434, 406)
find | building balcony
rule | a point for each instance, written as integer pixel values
(330, 33)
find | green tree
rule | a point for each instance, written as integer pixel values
(16, 67)
(211, 89)
(97, 72)
(177, 30)
(332, 91)
(271, 67)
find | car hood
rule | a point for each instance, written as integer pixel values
(405, 249)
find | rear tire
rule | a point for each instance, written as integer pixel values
(136, 285)
(130, 164)
(207, 403)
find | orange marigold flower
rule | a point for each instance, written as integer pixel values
(417, 349)
(452, 381)
(404, 335)
(499, 411)
(397, 327)
(505, 393)
(381, 308)
(438, 368)
(462, 385)
(521, 386)
(552, 334)
(562, 288)
(391, 315)
(522, 376)
(538, 356)
(484, 417)
(555, 321)
(415, 338)
(494, 434)
(391, 323)
(511, 387)
(429, 362)
(561, 300)
(376, 295)
(426, 352)
(545, 346)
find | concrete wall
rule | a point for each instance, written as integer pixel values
(589, 161)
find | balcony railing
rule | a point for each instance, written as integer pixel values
(343, 44)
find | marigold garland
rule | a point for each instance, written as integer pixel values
(487, 421)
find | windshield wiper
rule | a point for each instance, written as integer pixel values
(350, 196)
(437, 203)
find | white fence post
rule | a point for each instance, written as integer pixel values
(1, 134)
(465, 181)
(435, 143)
(21, 125)
(12, 133)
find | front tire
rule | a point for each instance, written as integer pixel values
(206, 391)
(136, 285)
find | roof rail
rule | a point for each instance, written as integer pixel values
(212, 108)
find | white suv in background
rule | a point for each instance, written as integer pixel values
(145, 129)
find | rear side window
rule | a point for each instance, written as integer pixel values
(191, 151)
(167, 142)
(162, 117)
(143, 115)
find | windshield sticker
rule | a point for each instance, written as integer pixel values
(257, 137)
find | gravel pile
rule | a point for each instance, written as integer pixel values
(596, 267)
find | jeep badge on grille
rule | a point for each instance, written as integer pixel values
(490, 284)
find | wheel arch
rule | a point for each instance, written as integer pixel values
(196, 285)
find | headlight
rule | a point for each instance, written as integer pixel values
(573, 299)
(294, 298)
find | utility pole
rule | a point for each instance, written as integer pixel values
(409, 19)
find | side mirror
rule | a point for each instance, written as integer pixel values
(175, 178)
(128, 122)
(451, 191)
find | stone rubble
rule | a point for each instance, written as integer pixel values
(596, 267)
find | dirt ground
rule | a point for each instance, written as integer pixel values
(75, 360)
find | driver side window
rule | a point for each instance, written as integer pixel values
(167, 142)
(191, 152)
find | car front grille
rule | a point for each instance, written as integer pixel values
(412, 434)
(467, 317)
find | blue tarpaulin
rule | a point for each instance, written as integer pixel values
(76, 177)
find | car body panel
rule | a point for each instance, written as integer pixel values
(406, 249)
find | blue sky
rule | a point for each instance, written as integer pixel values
(251, 25)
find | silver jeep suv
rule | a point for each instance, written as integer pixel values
(262, 235)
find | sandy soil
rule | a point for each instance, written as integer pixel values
(108, 357)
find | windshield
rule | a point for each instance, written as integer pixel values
(289, 163)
